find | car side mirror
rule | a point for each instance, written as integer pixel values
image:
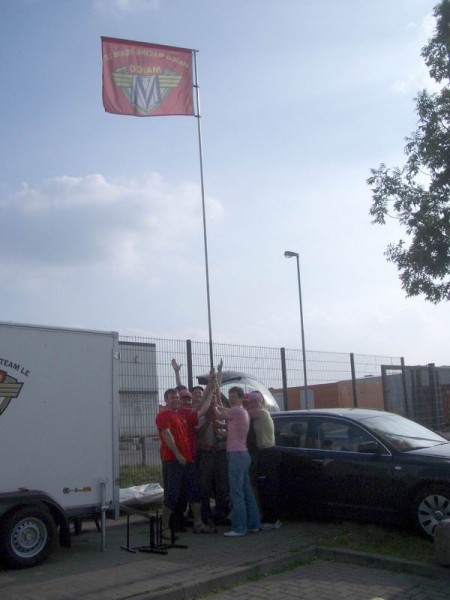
(369, 447)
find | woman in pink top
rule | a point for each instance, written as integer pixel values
(244, 513)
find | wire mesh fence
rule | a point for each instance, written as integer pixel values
(421, 393)
(146, 372)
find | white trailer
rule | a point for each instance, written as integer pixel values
(59, 436)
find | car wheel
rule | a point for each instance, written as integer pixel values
(27, 537)
(430, 506)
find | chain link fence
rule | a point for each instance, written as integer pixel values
(420, 393)
(146, 371)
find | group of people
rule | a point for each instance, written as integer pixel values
(225, 453)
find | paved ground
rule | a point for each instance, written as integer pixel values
(325, 580)
(223, 569)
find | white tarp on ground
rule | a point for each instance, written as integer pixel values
(148, 493)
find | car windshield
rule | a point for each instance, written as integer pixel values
(402, 433)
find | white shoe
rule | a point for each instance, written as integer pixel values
(234, 534)
(269, 526)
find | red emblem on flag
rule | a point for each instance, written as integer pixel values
(146, 80)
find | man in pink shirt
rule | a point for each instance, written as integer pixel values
(244, 514)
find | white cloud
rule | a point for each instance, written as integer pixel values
(124, 6)
(72, 222)
(416, 81)
(428, 25)
(419, 78)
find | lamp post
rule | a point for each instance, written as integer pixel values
(289, 254)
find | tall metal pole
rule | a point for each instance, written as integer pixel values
(205, 238)
(289, 254)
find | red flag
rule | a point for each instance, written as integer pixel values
(146, 80)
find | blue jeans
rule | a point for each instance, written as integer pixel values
(244, 514)
(178, 478)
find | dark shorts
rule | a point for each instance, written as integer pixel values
(177, 477)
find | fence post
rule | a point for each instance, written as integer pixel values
(284, 377)
(352, 366)
(189, 363)
(386, 401)
(143, 450)
(407, 406)
(435, 397)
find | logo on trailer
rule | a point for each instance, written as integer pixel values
(9, 389)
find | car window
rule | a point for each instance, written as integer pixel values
(336, 434)
(292, 432)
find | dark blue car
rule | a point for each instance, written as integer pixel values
(363, 462)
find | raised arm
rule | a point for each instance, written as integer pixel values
(213, 385)
(218, 396)
(177, 368)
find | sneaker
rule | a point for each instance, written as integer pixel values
(166, 534)
(233, 534)
(269, 526)
(253, 530)
(203, 529)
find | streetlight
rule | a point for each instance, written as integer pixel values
(289, 254)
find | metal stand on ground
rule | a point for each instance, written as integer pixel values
(103, 510)
(155, 544)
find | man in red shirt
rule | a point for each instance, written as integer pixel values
(178, 460)
(185, 409)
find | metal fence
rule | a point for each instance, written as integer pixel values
(146, 372)
(421, 393)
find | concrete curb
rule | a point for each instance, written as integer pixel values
(238, 575)
(379, 561)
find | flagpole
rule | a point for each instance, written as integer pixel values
(205, 238)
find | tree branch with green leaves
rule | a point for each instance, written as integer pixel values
(418, 194)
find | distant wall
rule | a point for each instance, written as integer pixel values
(369, 393)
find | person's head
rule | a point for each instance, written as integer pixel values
(254, 400)
(197, 395)
(197, 392)
(171, 399)
(236, 396)
(185, 397)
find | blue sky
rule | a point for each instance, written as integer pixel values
(101, 213)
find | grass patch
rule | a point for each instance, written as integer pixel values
(387, 540)
(131, 475)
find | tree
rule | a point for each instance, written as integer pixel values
(418, 195)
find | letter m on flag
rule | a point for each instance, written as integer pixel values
(146, 92)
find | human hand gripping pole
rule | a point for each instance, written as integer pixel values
(211, 389)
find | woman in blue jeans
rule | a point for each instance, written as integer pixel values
(244, 515)
(244, 512)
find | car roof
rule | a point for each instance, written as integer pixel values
(226, 376)
(356, 414)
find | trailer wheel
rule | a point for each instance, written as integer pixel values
(27, 537)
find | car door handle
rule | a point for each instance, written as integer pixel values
(318, 461)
